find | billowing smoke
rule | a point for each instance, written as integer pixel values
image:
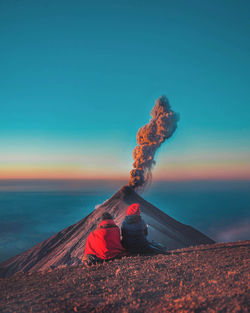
(149, 138)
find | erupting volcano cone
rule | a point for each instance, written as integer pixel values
(67, 246)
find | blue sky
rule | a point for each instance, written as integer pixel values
(78, 78)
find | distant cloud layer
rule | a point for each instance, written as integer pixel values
(236, 232)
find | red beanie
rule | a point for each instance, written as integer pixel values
(134, 209)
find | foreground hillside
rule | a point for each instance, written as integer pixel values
(210, 278)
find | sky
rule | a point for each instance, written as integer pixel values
(79, 78)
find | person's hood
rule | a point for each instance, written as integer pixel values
(105, 223)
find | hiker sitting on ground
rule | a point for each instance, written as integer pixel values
(134, 231)
(104, 242)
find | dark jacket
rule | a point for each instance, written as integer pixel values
(134, 232)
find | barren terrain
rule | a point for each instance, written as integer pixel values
(207, 278)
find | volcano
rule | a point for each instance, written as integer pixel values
(67, 246)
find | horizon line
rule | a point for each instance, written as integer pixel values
(123, 179)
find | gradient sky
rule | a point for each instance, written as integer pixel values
(78, 78)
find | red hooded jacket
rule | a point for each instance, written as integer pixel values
(104, 242)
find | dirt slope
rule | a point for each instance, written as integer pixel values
(208, 278)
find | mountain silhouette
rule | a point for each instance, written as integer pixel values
(67, 246)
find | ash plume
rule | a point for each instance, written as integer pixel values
(149, 138)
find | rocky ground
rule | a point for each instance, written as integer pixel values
(208, 278)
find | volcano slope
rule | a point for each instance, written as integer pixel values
(67, 246)
(206, 278)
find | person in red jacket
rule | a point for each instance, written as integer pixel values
(103, 243)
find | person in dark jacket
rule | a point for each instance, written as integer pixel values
(104, 242)
(134, 231)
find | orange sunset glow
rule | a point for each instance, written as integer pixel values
(180, 171)
(57, 172)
